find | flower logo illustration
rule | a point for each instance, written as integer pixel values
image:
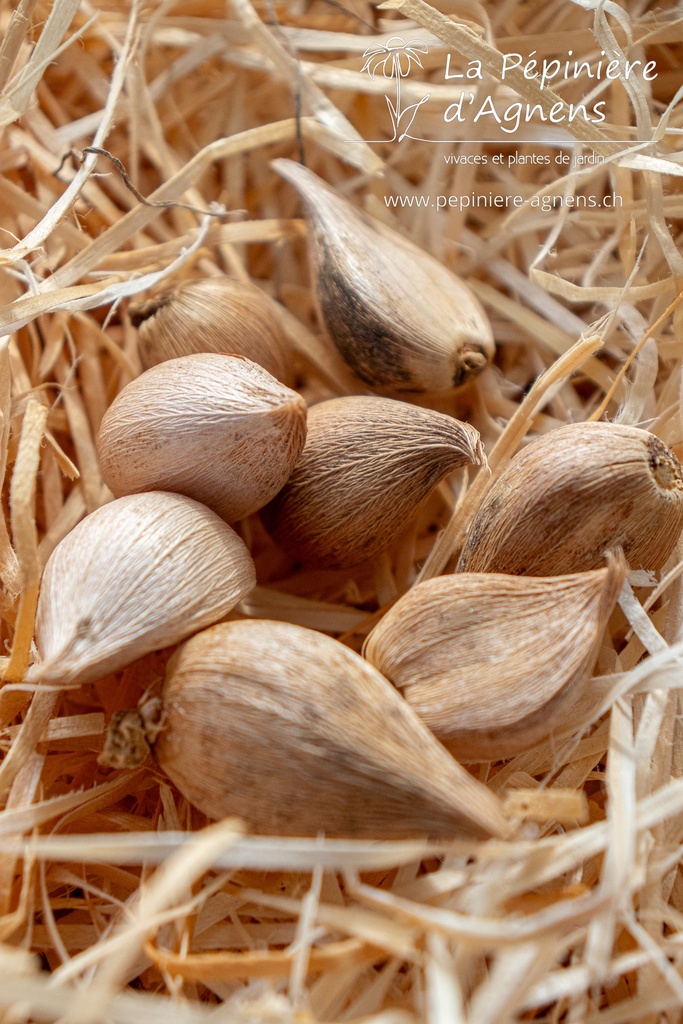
(395, 59)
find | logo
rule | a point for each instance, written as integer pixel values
(486, 111)
(395, 59)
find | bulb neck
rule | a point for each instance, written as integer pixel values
(131, 735)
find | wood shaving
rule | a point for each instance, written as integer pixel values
(118, 901)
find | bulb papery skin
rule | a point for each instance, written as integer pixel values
(297, 735)
(213, 314)
(491, 663)
(139, 574)
(367, 464)
(403, 322)
(575, 493)
(217, 428)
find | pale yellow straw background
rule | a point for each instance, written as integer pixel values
(108, 911)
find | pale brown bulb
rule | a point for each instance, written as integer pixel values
(367, 465)
(297, 735)
(492, 663)
(138, 574)
(575, 493)
(403, 322)
(213, 314)
(217, 428)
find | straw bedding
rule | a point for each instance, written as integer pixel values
(107, 912)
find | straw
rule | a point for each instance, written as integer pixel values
(118, 900)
